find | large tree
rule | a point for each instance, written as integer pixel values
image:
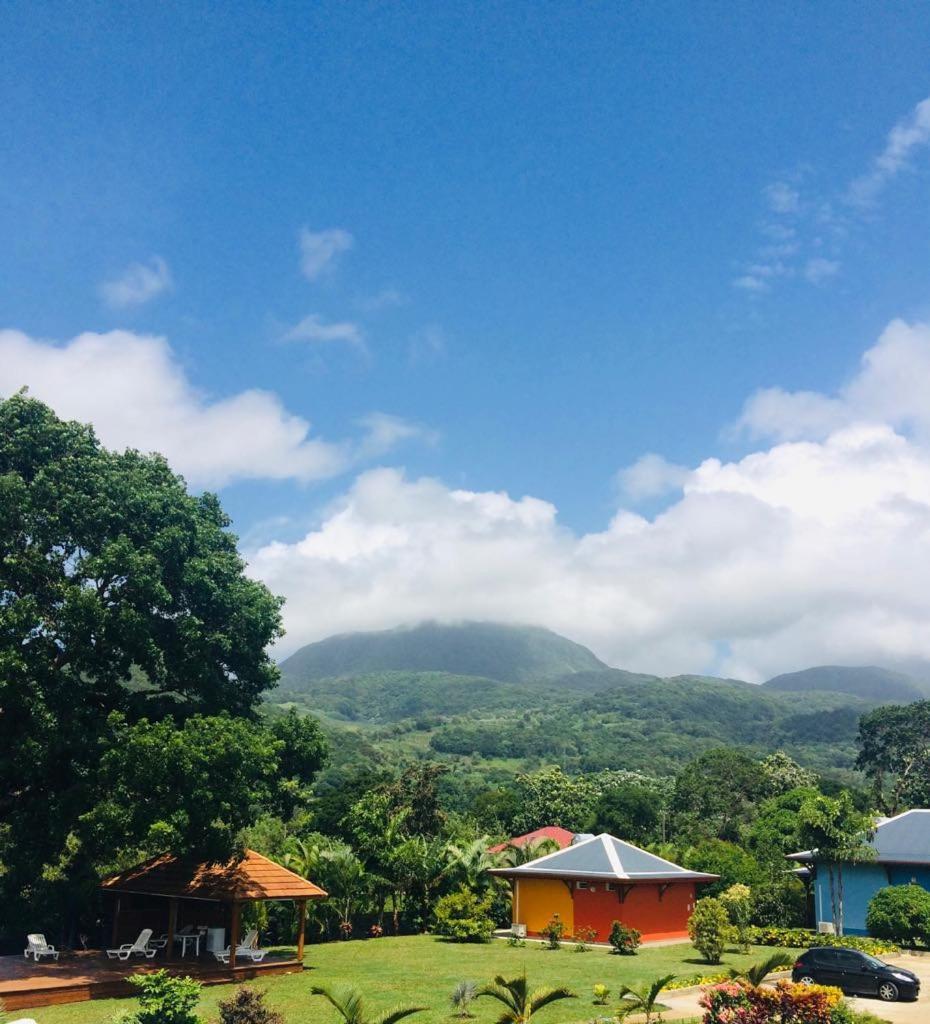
(123, 603)
(716, 794)
(894, 752)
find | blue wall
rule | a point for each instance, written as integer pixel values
(860, 883)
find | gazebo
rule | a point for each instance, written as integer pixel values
(213, 893)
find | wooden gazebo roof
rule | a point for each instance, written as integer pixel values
(254, 877)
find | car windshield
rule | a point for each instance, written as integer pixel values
(873, 961)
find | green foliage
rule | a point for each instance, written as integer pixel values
(625, 940)
(708, 926)
(555, 798)
(728, 860)
(520, 1003)
(553, 931)
(247, 1005)
(643, 999)
(783, 774)
(462, 916)
(123, 595)
(756, 973)
(350, 1006)
(628, 812)
(802, 938)
(716, 792)
(601, 994)
(877, 684)
(165, 1000)
(738, 902)
(900, 913)
(584, 936)
(894, 752)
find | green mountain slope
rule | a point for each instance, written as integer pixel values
(869, 682)
(514, 654)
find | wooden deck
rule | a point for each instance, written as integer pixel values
(84, 976)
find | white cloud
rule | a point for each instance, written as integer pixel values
(384, 432)
(137, 284)
(782, 197)
(809, 551)
(320, 249)
(819, 269)
(134, 391)
(314, 329)
(650, 476)
(907, 135)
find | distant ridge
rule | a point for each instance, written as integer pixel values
(512, 654)
(868, 681)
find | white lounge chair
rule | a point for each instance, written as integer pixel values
(140, 947)
(37, 946)
(246, 950)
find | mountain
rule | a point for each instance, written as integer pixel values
(510, 654)
(868, 682)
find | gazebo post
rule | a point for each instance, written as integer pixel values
(234, 933)
(301, 919)
(172, 927)
(114, 934)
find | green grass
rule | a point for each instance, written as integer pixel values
(423, 970)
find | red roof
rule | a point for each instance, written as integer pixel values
(556, 833)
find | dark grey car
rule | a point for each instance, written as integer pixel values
(856, 973)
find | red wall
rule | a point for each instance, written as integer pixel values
(665, 918)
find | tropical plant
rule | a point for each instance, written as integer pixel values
(601, 994)
(514, 855)
(462, 997)
(350, 1006)
(520, 1004)
(623, 939)
(164, 999)
(553, 931)
(643, 999)
(707, 928)
(584, 936)
(247, 1006)
(468, 865)
(755, 974)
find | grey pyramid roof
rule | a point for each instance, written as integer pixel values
(903, 839)
(604, 857)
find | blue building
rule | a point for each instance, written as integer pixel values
(902, 857)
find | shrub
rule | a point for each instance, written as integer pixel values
(375, 931)
(802, 938)
(900, 913)
(707, 928)
(601, 994)
(165, 1000)
(734, 1003)
(738, 902)
(624, 940)
(554, 931)
(463, 917)
(462, 997)
(584, 936)
(247, 1006)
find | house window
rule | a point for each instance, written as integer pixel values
(611, 887)
(581, 885)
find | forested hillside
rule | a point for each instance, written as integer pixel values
(866, 681)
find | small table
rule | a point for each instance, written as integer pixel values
(184, 939)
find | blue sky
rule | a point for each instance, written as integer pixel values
(544, 239)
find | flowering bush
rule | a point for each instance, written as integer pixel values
(554, 931)
(375, 931)
(624, 940)
(584, 936)
(734, 1002)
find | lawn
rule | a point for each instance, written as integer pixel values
(423, 970)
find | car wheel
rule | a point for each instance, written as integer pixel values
(806, 979)
(888, 991)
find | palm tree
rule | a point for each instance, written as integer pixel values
(512, 856)
(520, 1004)
(469, 864)
(643, 999)
(755, 974)
(351, 1008)
(462, 996)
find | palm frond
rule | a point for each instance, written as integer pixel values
(347, 1004)
(393, 1016)
(755, 974)
(544, 996)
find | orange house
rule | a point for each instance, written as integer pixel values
(599, 880)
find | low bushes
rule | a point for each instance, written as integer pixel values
(164, 1000)
(900, 913)
(247, 1006)
(802, 938)
(464, 917)
(709, 928)
(624, 940)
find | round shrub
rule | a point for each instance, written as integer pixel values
(709, 927)
(900, 913)
(464, 917)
